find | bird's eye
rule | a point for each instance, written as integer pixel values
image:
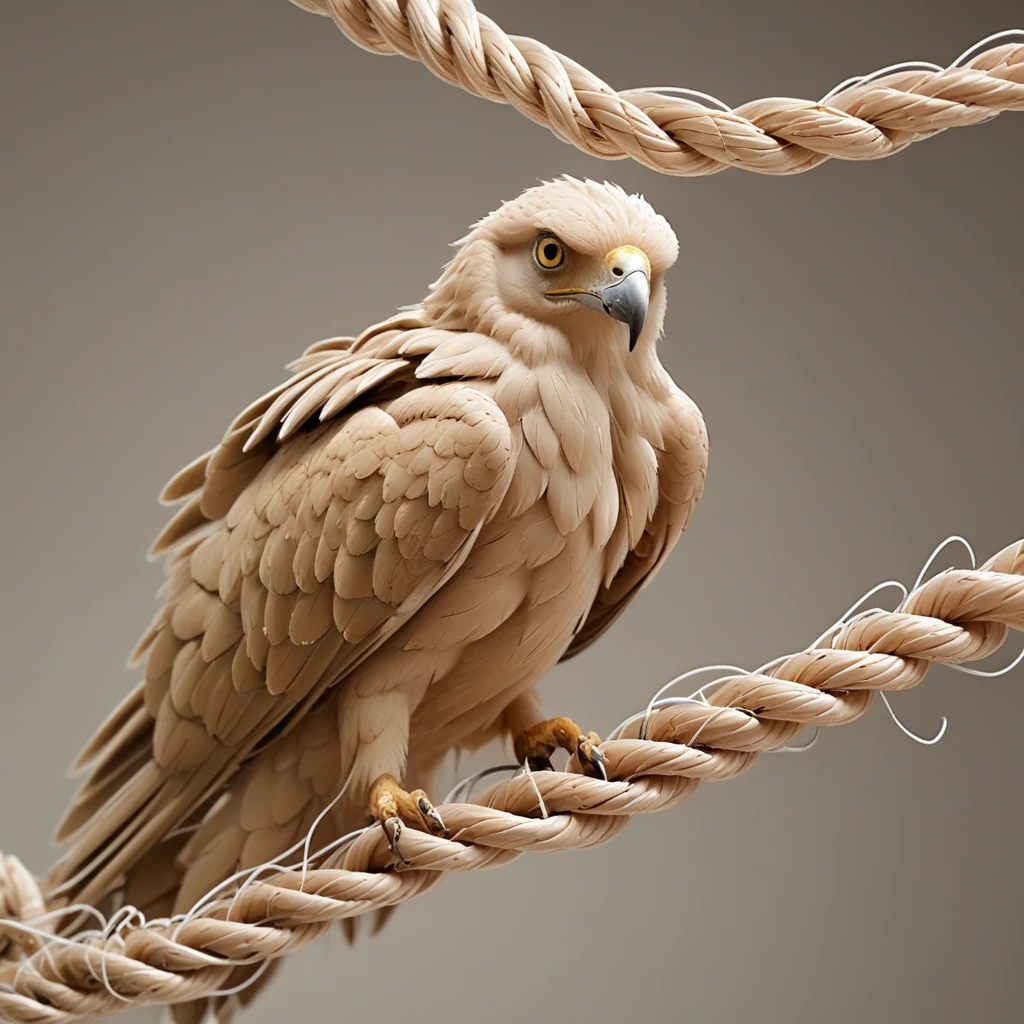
(550, 253)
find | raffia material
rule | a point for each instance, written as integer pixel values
(671, 133)
(955, 617)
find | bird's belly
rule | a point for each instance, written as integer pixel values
(508, 628)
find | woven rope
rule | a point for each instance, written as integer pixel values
(957, 616)
(866, 119)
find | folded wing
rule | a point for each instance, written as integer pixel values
(302, 546)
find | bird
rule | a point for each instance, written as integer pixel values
(387, 551)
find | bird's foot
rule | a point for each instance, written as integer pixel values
(535, 745)
(394, 808)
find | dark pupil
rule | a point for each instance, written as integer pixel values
(551, 252)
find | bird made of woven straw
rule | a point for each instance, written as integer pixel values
(388, 550)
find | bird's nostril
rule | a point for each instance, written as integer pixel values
(617, 271)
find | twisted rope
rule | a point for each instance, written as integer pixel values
(865, 118)
(957, 616)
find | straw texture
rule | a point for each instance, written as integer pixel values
(865, 119)
(957, 616)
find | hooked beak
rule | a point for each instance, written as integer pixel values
(626, 297)
(627, 302)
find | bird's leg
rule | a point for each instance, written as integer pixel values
(536, 744)
(395, 807)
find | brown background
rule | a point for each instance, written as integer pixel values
(194, 191)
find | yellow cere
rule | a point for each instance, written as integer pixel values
(628, 250)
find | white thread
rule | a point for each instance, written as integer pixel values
(842, 620)
(801, 748)
(1010, 35)
(939, 548)
(112, 929)
(464, 787)
(680, 678)
(242, 986)
(955, 539)
(337, 844)
(250, 878)
(908, 732)
(533, 782)
(892, 69)
(679, 90)
(320, 817)
(992, 674)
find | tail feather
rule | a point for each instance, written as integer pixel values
(106, 740)
(151, 885)
(222, 1008)
(97, 792)
(105, 833)
(151, 805)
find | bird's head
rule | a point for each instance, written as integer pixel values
(578, 261)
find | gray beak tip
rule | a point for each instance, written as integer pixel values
(627, 301)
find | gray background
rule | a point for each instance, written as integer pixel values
(193, 192)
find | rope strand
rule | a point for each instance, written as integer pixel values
(956, 616)
(679, 131)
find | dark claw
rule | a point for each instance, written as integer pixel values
(540, 764)
(392, 834)
(432, 819)
(592, 760)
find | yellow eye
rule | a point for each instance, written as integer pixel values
(550, 253)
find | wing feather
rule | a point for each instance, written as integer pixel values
(331, 540)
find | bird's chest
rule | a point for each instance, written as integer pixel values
(502, 622)
(572, 509)
(512, 609)
(586, 468)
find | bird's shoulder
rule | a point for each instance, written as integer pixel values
(683, 449)
(403, 360)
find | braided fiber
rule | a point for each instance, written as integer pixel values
(866, 119)
(957, 616)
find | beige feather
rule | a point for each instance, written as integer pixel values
(386, 551)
